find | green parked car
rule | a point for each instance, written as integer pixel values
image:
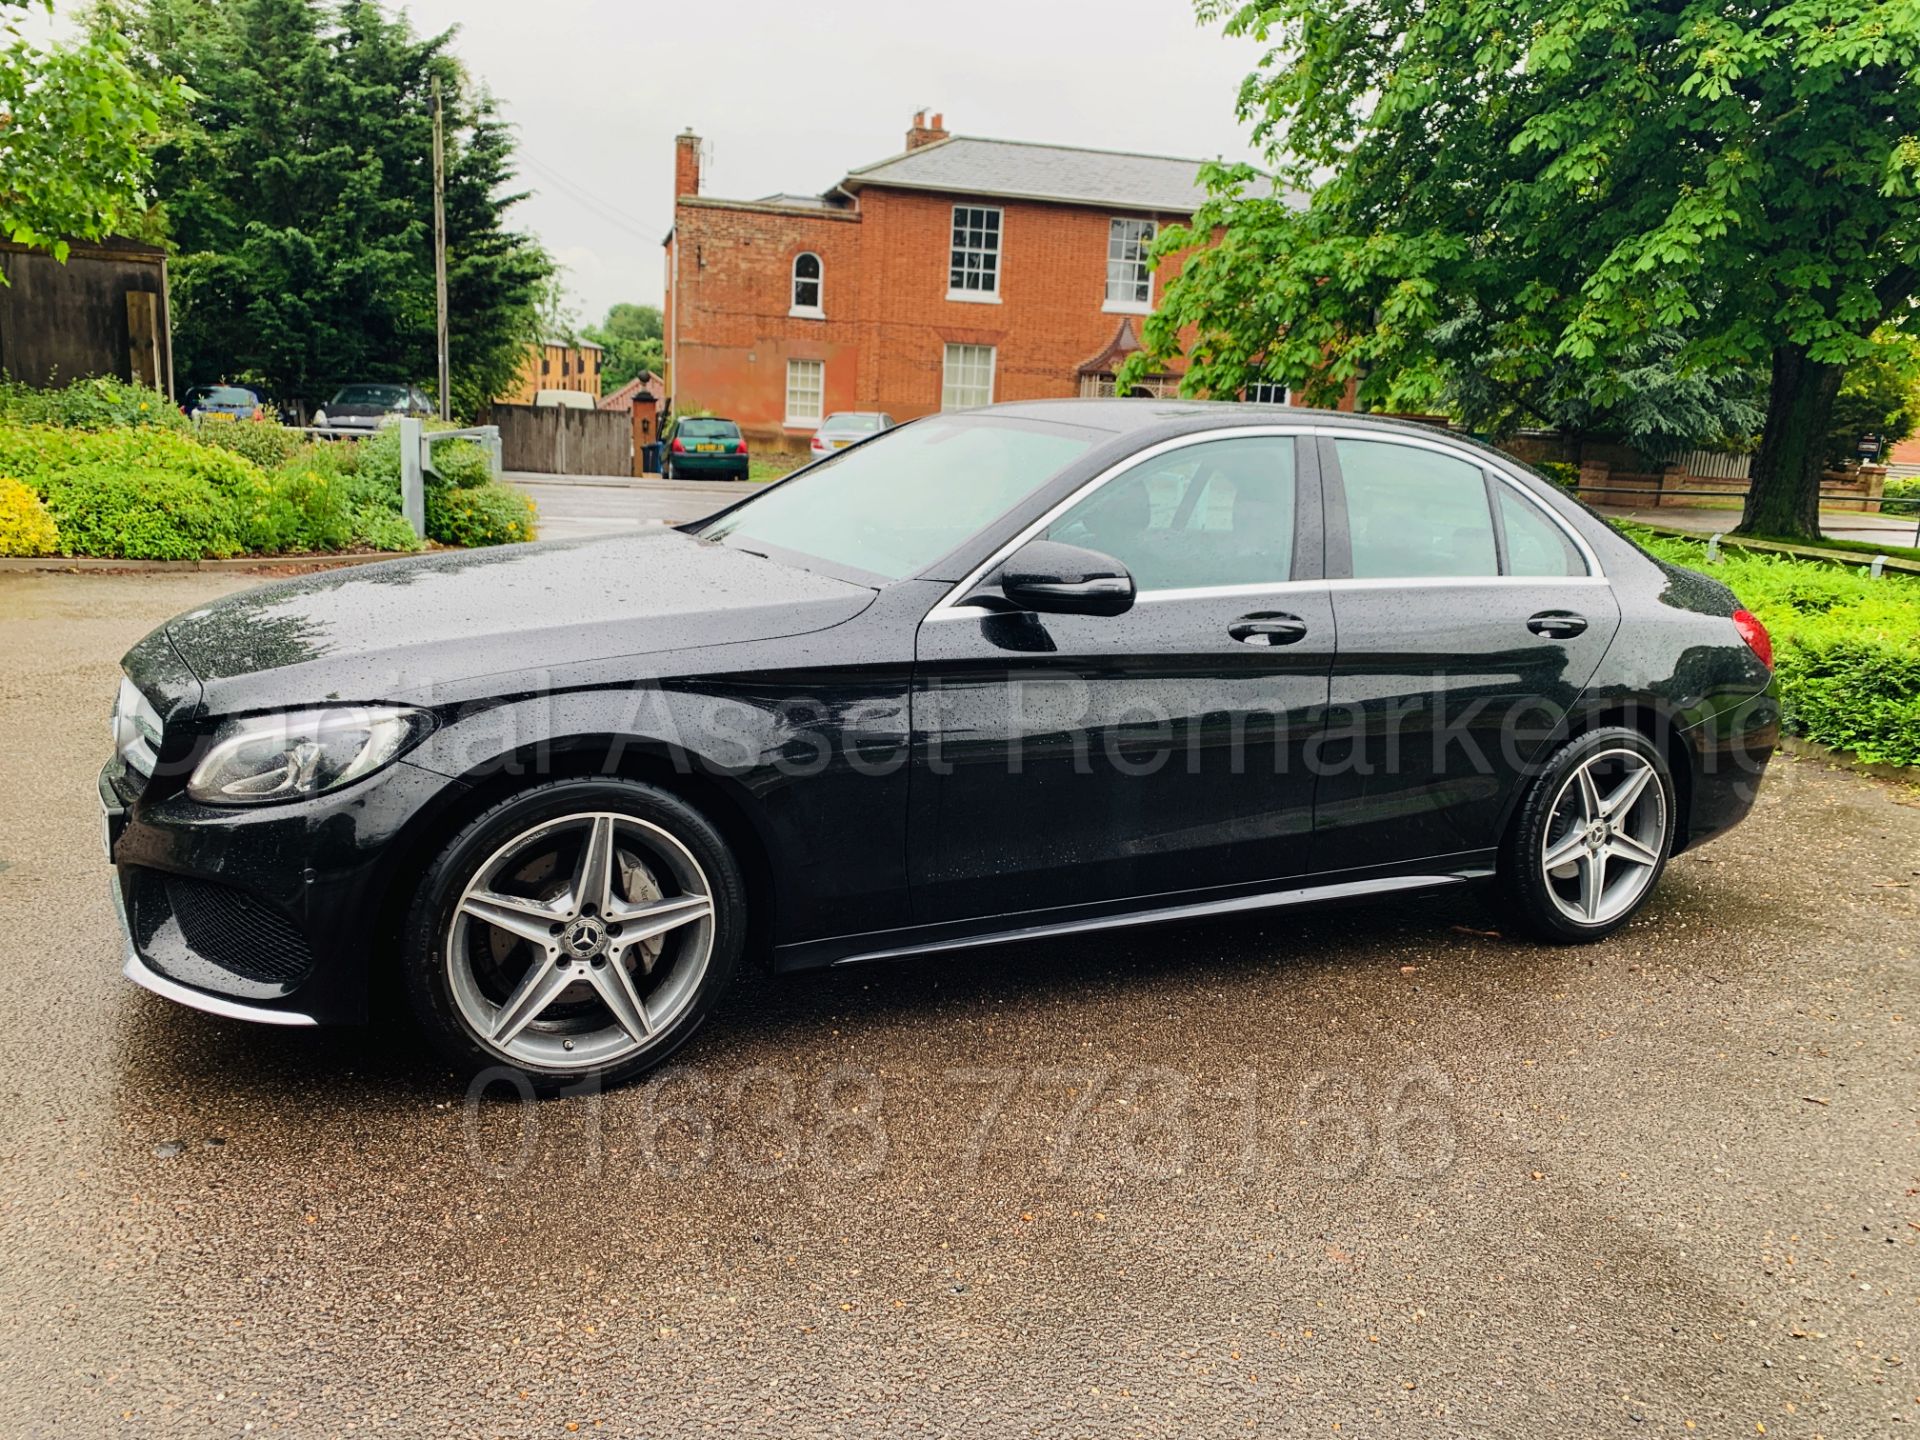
(702, 447)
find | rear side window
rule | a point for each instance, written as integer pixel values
(1535, 545)
(1414, 513)
(709, 430)
(1216, 513)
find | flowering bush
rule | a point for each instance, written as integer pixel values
(97, 404)
(25, 526)
(487, 514)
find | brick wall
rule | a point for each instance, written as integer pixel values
(734, 290)
(1053, 280)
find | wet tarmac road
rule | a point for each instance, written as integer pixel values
(1348, 1173)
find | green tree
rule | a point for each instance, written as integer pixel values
(77, 124)
(634, 340)
(1879, 396)
(1589, 175)
(299, 194)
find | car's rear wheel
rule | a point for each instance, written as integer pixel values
(579, 931)
(1591, 837)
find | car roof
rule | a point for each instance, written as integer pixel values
(1131, 415)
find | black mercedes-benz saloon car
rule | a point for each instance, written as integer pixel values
(1003, 674)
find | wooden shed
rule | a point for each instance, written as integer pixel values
(104, 312)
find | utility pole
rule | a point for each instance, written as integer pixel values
(440, 251)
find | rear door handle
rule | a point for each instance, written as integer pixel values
(1557, 624)
(1268, 627)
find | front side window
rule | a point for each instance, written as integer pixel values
(806, 380)
(1216, 513)
(973, 264)
(806, 283)
(893, 506)
(1129, 277)
(966, 377)
(1414, 513)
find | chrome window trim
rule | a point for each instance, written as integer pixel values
(950, 607)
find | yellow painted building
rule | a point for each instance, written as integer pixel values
(557, 365)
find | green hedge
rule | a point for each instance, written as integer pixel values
(122, 474)
(1846, 648)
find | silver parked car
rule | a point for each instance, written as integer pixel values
(841, 429)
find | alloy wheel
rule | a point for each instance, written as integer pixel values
(1606, 837)
(581, 941)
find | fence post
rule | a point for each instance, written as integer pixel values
(413, 487)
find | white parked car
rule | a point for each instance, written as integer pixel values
(564, 399)
(841, 429)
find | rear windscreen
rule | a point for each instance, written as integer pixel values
(709, 430)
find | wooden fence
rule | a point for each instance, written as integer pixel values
(554, 440)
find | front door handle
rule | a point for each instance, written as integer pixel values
(1557, 624)
(1268, 627)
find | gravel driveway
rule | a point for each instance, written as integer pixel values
(1342, 1173)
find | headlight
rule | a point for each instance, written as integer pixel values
(136, 727)
(320, 417)
(286, 757)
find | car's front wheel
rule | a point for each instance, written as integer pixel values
(579, 931)
(1591, 837)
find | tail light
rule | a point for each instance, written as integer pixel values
(259, 413)
(677, 447)
(1755, 634)
(818, 443)
(741, 448)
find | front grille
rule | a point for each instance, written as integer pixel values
(223, 927)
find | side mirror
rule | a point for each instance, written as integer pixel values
(1057, 579)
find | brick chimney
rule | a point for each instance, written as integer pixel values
(925, 131)
(686, 163)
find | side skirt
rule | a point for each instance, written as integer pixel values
(936, 939)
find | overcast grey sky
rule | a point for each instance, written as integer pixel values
(790, 96)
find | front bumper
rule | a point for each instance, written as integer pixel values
(272, 914)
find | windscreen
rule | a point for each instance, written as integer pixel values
(371, 395)
(894, 505)
(228, 395)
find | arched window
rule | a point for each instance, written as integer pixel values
(806, 283)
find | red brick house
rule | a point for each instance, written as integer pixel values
(958, 272)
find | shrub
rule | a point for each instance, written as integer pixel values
(479, 515)
(1561, 472)
(141, 514)
(37, 454)
(462, 464)
(25, 526)
(267, 445)
(1846, 648)
(100, 403)
(378, 528)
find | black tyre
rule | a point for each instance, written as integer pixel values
(578, 932)
(1590, 838)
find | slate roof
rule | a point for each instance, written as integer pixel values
(1019, 169)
